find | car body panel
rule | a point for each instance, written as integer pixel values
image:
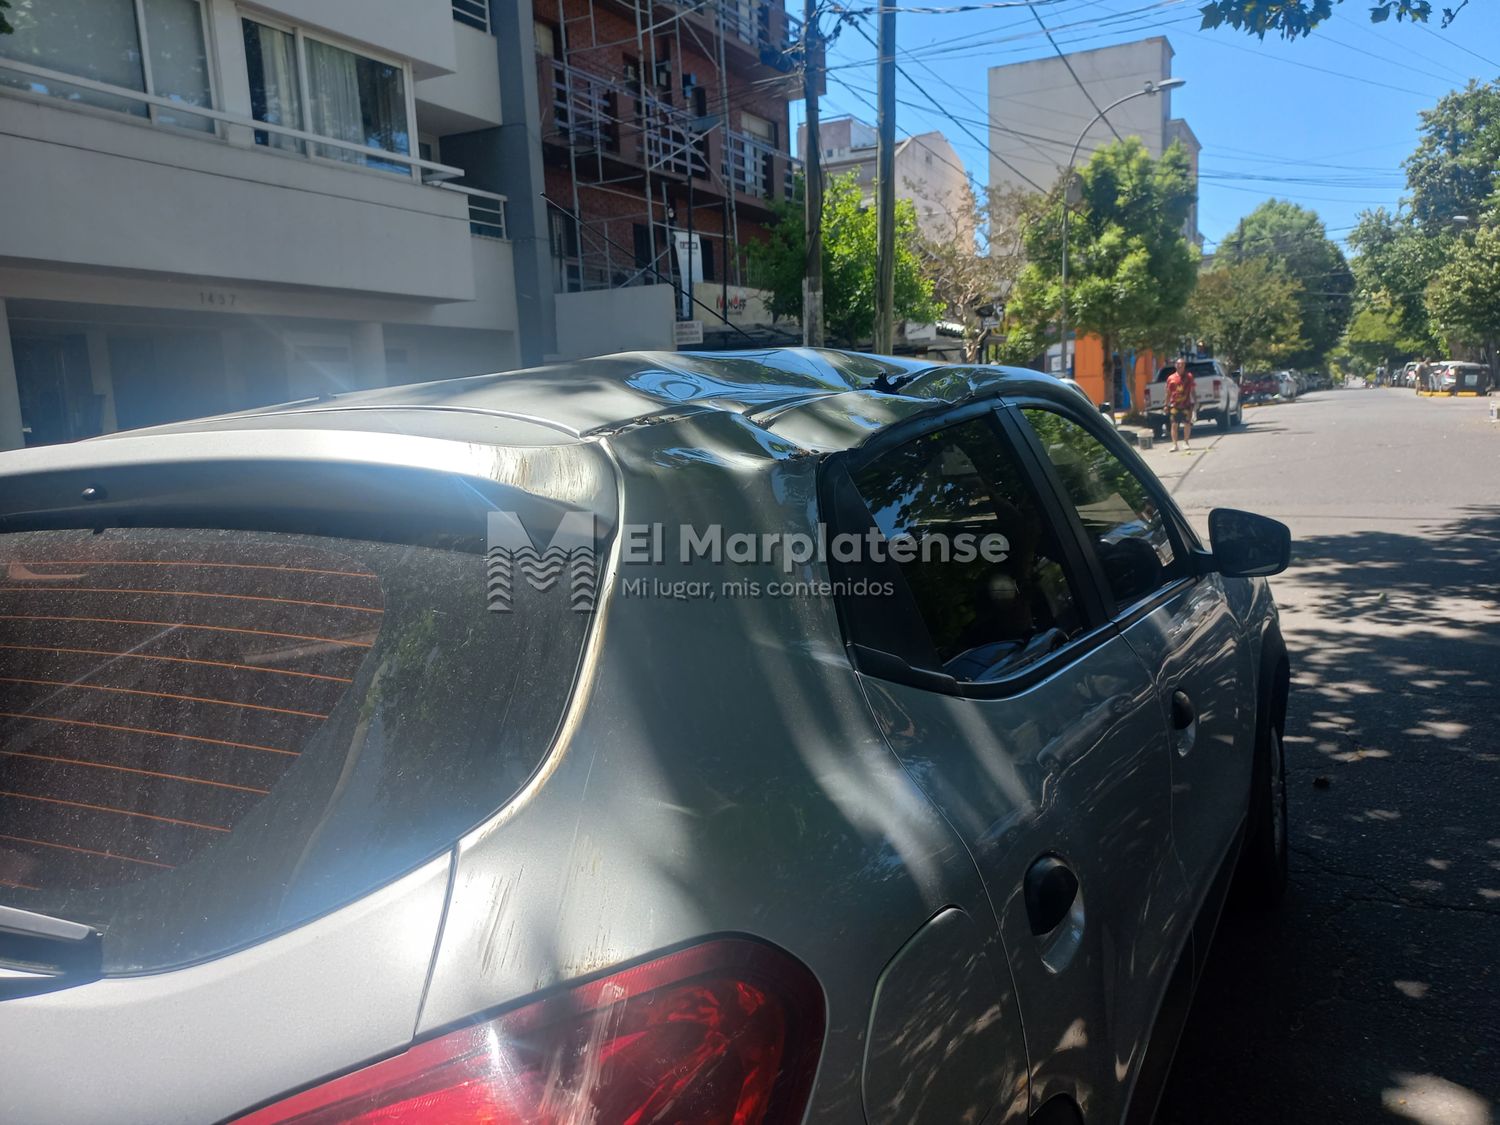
(1076, 766)
(202, 1043)
(783, 786)
(940, 1050)
(1193, 645)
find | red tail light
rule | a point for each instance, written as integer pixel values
(1217, 385)
(725, 1033)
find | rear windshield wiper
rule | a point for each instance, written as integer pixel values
(39, 953)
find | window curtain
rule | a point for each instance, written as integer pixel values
(94, 39)
(271, 58)
(334, 99)
(357, 99)
(179, 62)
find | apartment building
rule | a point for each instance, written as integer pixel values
(664, 146)
(207, 205)
(211, 205)
(1038, 110)
(929, 171)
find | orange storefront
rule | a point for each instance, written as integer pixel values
(1088, 367)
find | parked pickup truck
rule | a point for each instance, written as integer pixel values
(1217, 393)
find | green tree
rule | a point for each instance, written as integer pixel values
(1394, 259)
(1248, 313)
(1294, 241)
(1463, 297)
(1294, 18)
(1130, 269)
(849, 250)
(1453, 171)
(1375, 336)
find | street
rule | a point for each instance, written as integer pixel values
(1373, 995)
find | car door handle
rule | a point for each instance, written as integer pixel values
(1049, 890)
(1183, 712)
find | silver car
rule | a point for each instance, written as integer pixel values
(769, 737)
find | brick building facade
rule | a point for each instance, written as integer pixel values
(655, 121)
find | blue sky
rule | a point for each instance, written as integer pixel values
(1324, 121)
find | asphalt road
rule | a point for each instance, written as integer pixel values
(1374, 994)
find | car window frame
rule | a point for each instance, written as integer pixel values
(1092, 604)
(1185, 543)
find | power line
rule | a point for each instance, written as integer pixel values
(947, 114)
(1077, 81)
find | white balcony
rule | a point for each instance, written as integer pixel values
(95, 189)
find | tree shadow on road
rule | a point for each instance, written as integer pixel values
(1373, 994)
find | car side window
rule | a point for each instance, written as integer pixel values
(1123, 522)
(974, 546)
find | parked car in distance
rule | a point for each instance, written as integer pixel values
(1218, 396)
(1460, 378)
(443, 790)
(1287, 385)
(1408, 376)
(1259, 387)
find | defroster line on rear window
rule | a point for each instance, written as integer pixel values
(73, 685)
(182, 594)
(146, 730)
(84, 851)
(133, 769)
(112, 809)
(190, 562)
(185, 625)
(181, 660)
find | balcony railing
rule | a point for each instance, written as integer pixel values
(748, 164)
(428, 171)
(475, 13)
(584, 108)
(486, 211)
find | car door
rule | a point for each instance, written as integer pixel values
(1176, 620)
(1032, 725)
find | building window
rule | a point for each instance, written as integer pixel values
(305, 83)
(546, 39)
(155, 47)
(759, 128)
(567, 265)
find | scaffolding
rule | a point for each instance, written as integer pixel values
(624, 136)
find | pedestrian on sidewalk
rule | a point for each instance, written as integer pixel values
(1421, 376)
(1182, 403)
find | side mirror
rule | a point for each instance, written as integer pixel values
(1106, 408)
(1246, 545)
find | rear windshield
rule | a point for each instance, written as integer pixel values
(210, 736)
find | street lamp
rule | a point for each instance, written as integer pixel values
(1149, 90)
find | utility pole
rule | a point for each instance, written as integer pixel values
(885, 184)
(812, 281)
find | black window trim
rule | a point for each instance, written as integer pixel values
(1177, 528)
(1093, 606)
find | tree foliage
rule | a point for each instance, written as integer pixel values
(1292, 19)
(1294, 241)
(1454, 170)
(1394, 260)
(1407, 263)
(1463, 297)
(1248, 313)
(1375, 336)
(1130, 269)
(963, 278)
(849, 251)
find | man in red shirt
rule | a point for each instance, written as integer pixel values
(1182, 403)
